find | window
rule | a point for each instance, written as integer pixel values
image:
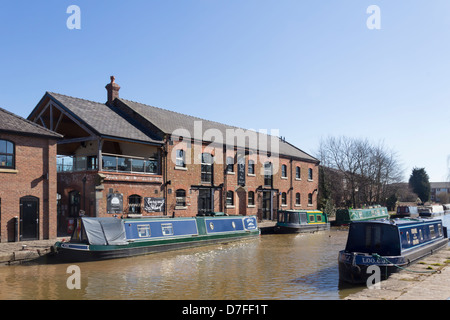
(297, 198)
(230, 198)
(180, 159)
(230, 164)
(283, 199)
(181, 198)
(7, 154)
(311, 218)
(310, 199)
(143, 231)
(284, 171)
(167, 229)
(319, 218)
(310, 174)
(251, 167)
(297, 173)
(432, 232)
(251, 198)
(134, 204)
(268, 174)
(207, 167)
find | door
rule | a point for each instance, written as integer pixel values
(204, 201)
(267, 205)
(29, 218)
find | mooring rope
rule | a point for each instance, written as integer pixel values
(377, 256)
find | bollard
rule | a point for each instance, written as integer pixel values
(16, 229)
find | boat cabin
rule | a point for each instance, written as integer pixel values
(392, 237)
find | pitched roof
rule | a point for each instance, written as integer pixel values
(9, 122)
(102, 120)
(169, 121)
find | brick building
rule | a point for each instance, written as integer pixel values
(129, 159)
(28, 180)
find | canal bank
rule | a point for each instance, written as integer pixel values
(25, 251)
(428, 279)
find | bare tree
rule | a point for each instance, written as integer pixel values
(366, 169)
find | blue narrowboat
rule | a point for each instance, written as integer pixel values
(299, 221)
(109, 238)
(388, 244)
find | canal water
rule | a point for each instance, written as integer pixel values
(276, 267)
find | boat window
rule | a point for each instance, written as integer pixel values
(420, 234)
(319, 218)
(311, 218)
(143, 231)
(167, 229)
(440, 229)
(408, 239)
(281, 217)
(432, 232)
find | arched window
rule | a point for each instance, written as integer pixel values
(134, 204)
(297, 198)
(268, 174)
(297, 172)
(181, 198)
(180, 158)
(207, 167)
(284, 199)
(7, 154)
(251, 167)
(310, 199)
(251, 198)
(230, 198)
(284, 171)
(230, 164)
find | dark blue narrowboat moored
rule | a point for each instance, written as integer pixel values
(108, 238)
(388, 244)
(299, 221)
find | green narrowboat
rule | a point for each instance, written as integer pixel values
(346, 216)
(299, 221)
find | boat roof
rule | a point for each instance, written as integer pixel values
(398, 221)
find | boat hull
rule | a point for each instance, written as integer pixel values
(353, 266)
(296, 228)
(82, 253)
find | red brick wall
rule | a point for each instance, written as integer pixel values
(35, 157)
(191, 176)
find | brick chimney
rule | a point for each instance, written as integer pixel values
(113, 90)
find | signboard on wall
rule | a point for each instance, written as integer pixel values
(241, 171)
(114, 204)
(154, 204)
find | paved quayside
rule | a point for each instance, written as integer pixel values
(418, 285)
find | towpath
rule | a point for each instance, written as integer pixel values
(416, 283)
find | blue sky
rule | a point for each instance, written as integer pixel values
(311, 69)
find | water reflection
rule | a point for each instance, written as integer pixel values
(270, 267)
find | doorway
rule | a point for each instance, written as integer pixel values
(204, 201)
(29, 218)
(267, 205)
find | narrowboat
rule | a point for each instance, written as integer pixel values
(388, 244)
(298, 221)
(446, 208)
(406, 212)
(431, 211)
(346, 216)
(108, 238)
